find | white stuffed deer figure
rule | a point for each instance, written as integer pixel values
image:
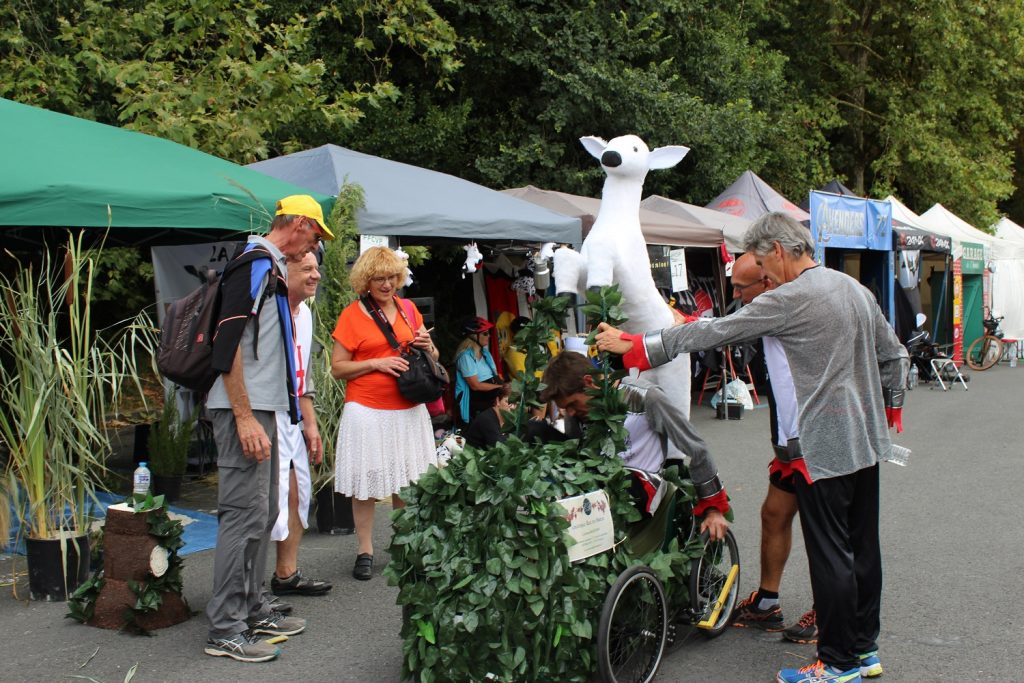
(615, 252)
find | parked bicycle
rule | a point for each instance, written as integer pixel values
(986, 350)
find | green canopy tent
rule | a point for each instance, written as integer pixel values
(64, 172)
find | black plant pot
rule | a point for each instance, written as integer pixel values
(333, 513)
(169, 485)
(54, 574)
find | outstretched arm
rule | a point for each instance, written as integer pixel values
(764, 315)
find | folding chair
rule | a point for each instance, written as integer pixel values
(940, 364)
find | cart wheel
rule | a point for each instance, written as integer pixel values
(709, 575)
(634, 623)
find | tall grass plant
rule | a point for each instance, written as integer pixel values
(58, 379)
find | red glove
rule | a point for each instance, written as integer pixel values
(720, 500)
(895, 418)
(636, 357)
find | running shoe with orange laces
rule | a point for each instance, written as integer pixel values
(819, 672)
(804, 631)
(748, 615)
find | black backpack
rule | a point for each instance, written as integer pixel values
(185, 353)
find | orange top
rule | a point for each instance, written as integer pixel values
(361, 337)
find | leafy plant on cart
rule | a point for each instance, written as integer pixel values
(481, 542)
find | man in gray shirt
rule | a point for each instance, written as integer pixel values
(254, 349)
(849, 371)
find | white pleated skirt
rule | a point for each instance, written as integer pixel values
(381, 451)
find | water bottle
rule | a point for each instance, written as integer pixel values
(140, 482)
(912, 380)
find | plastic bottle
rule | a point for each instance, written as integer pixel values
(912, 380)
(140, 481)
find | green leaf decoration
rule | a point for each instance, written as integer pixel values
(480, 544)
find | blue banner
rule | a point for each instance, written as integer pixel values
(850, 222)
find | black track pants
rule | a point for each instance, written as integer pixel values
(839, 518)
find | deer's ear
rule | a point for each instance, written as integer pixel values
(594, 145)
(666, 157)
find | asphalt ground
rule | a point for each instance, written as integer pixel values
(951, 609)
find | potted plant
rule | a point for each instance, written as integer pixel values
(168, 445)
(57, 379)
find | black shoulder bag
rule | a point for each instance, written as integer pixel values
(426, 379)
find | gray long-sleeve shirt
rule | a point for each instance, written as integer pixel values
(841, 351)
(670, 424)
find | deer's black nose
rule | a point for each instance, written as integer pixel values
(611, 159)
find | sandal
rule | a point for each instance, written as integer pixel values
(364, 567)
(296, 584)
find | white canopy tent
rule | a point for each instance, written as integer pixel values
(1005, 259)
(1008, 230)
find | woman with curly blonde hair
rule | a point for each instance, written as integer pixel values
(384, 441)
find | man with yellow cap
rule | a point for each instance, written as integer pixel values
(254, 349)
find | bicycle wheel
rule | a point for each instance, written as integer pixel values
(984, 352)
(633, 627)
(709, 575)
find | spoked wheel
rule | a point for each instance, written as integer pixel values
(715, 584)
(984, 352)
(633, 626)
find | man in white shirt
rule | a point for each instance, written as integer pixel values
(297, 444)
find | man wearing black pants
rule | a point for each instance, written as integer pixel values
(838, 566)
(849, 372)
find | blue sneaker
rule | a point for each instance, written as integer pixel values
(818, 672)
(870, 665)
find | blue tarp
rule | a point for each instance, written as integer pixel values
(200, 532)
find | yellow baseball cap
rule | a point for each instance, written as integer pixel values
(304, 205)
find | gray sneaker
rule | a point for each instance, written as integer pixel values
(277, 624)
(245, 647)
(276, 603)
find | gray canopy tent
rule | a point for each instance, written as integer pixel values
(409, 201)
(750, 197)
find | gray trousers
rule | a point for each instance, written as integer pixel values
(246, 511)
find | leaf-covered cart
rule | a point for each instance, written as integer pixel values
(481, 553)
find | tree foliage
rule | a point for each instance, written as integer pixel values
(235, 78)
(929, 94)
(537, 76)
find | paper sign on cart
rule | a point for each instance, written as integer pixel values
(590, 524)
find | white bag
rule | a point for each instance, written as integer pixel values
(737, 391)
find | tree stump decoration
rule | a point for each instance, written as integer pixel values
(139, 587)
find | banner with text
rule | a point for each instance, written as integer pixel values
(849, 223)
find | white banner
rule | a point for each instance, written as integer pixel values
(368, 241)
(178, 270)
(677, 262)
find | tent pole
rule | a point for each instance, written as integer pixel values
(720, 277)
(942, 299)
